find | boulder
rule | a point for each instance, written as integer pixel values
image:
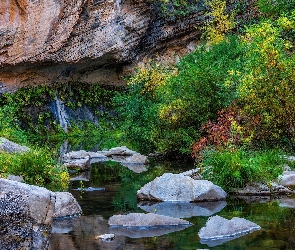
(81, 154)
(178, 187)
(81, 164)
(287, 178)
(219, 230)
(183, 209)
(144, 220)
(123, 151)
(35, 202)
(66, 205)
(26, 214)
(11, 147)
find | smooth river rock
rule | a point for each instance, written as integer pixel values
(219, 230)
(178, 187)
(183, 209)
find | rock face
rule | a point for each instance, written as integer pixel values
(178, 187)
(144, 220)
(11, 147)
(219, 230)
(66, 205)
(49, 41)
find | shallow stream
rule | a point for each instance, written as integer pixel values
(110, 188)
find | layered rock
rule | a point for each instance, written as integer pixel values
(49, 41)
(180, 188)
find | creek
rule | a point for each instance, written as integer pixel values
(109, 188)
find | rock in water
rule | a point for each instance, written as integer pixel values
(66, 205)
(178, 187)
(219, 230)
(145, 220)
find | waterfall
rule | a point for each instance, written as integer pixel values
(61, 114)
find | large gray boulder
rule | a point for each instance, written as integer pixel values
(11, 147)
(183, 209)
(66, 205)
(178, 187)
(219, 230)
(144, 220)
(35, 202)
(26, 214)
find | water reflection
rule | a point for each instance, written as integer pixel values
(119, 197)
(183, 209)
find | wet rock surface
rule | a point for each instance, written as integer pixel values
(178, 187)
(219, 230)
(183, 209)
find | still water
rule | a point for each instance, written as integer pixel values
(110, 188)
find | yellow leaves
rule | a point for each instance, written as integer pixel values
(219, 23)
(286, 23)
(172, 112)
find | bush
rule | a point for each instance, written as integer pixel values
(164, 108)
(37, 167)
(234, 169)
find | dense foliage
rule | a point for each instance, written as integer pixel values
(232, 96)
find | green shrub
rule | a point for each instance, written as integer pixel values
(37, 167)
(233, 169)
(164, 108)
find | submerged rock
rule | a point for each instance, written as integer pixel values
(11, 147)
(219, 230)
(183, 209)
(178, 187)
(144, 220)
(66, 205)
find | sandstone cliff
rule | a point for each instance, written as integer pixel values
(47, 41)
